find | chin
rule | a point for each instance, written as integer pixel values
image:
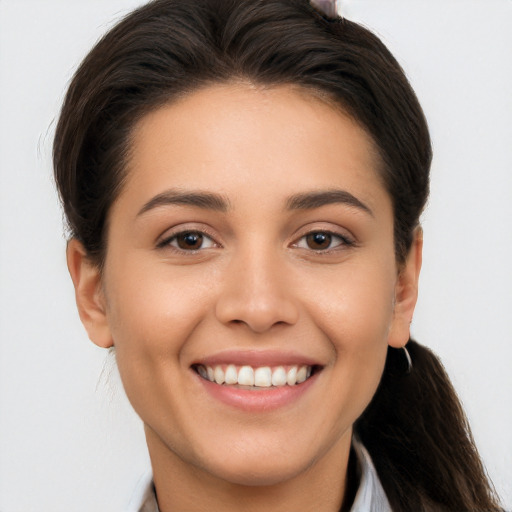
(259, 461)
(258, 473)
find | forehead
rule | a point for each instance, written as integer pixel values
(242, 139)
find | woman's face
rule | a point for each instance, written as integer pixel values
(252, 239)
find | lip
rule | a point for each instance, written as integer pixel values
(257, 358)
(264, 399)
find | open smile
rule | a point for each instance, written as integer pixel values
(257, 387)
(249, 377)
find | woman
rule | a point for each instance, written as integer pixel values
(243, 183)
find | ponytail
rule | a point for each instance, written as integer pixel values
(419, 439)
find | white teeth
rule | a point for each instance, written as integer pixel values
(279, 377)
(302, 374)
(246, 376)
(218, 375)
(231, 376)
(291, 376)
(263, 376)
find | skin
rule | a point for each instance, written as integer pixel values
(256, 285)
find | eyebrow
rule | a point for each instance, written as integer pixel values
(204, 200)
(310, 200)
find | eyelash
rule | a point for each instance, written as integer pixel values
(167, 241)
(344, 241)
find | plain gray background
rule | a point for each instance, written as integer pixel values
(68, 438)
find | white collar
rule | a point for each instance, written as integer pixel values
(370, 496)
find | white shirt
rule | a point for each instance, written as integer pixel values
(370, 496)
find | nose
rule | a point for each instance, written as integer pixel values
(257, 292)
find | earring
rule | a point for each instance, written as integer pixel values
(327, 7)
(408, 359)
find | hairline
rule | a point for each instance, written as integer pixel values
(307, 91)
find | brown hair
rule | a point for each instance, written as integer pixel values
(414, 428)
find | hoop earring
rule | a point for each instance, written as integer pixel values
(408, 359)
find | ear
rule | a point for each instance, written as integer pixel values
(406, 293)
(89, 294)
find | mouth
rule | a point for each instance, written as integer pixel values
(256, 378)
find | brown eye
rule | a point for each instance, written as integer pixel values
(319, 240)
(323, 241)
(189, 241)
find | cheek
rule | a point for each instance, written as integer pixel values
(355, 308)
(355, 313)
(153, 298)
(152, 312)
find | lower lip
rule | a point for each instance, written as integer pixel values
(264, 399)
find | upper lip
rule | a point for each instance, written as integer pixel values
(257, 358)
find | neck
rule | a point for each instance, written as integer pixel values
(181, 486)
